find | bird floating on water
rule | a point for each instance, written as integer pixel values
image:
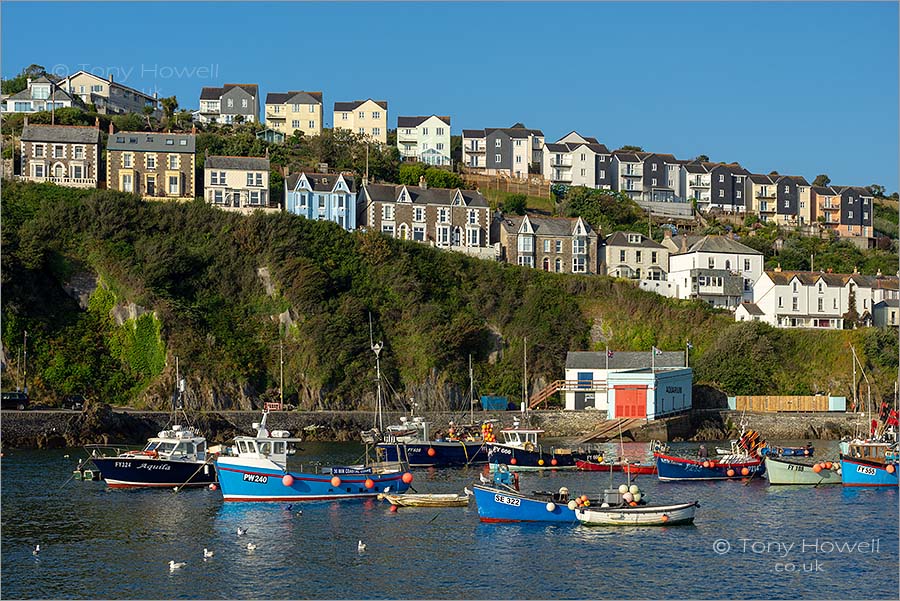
(207, 553)
(37, 550)
(173, 565)
(241, 531)
(361, 546)
(251, 547)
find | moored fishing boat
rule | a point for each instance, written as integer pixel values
(522, 450)
(648, 515)
(870, 463)
(264, 468)
(632, 468)
(743, 461)
(505, 504)
(788, 471)
(426, 499)
(412, 442)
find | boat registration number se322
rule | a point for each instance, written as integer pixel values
(507, 500)
(256, 478)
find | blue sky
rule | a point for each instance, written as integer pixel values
(801, 88)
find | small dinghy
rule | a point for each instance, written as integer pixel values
(625, 507)
(426, 500)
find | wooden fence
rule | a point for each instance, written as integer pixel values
(774, 404)
(533, 186)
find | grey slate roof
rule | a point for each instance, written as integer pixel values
(825, 190)
(473, 133)
(761, 179)
(598, 148)
(694, 168)
(621, 239)
(431, 196)
(56, 92)
(241, 163)
(351, 106)
(213, 93)
(557, 147)
(888, 302)
(623, 359)
(321, 182)
(544, 226)
(142, 141)
(721, 244)
(64, 134)
(626, 157)
(296, 97)
(415, 121)
(799, 179)
(752, 308)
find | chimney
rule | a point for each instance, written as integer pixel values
(110, 77)
(112, 128)
(25, 122)
(856, 269)
(684, 243)
(97, 122)
(422, 183)
(778, 268)
(667, 234)
(28, 82)
(879, 274)
(193, 130)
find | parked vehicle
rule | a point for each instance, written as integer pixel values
(14, 400)
(75, 402)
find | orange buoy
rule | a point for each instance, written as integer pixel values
(335, 482)
(584, 498)
(706, 464)
(664, 518)
(730, 472)
(828, 465)
(213, 486)
(553, 461)
(513, 461)
(890, 468)
(817, 468)
(287, 480)
(393, 509)
(369, 483)
(540, 462)
(745, 471)
(407, 478)
(431, 452)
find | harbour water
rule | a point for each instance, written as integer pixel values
(749, 540)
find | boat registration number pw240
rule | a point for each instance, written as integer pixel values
(507, 500)
(865, 469)
(256, 478)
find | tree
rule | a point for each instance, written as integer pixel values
(821, 180)
(515, 203)
(170, 105)
(876, 190)
(773, 172)
(753, 374)
(702, 158)
(441, 178)
(409, 173)
(20, 81)
(148, 111)
(630, 148)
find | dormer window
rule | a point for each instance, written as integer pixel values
(634, 238)
(170, 142)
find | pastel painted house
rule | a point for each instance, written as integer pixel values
(424, 139)
(239, 184)
(322, 197)
(363, 117)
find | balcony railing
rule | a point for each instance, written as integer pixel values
(65, 181)
(475, 149)
(697, 183)
(633, 173)
(765, 195)
(561, 163)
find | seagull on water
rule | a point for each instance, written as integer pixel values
(207, 553)
(37, 550)
(241, 531)
(360, 546)
(173, 565)
(251, 547)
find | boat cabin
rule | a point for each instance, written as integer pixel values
(418, 430)
(871, 451)
(176, 444)
(520, 438)
(275, 446)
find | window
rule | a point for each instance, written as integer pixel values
(721, 193)
(169, 141)
(849, 214)
(578, 264)
(295, 123)
(295, 108)
(637, 256)
(727, 264)
(96, 88)
(230, 102)
(787, 189)
(526, 244)
(77, 171)
(473, 236)
(721, 179)
(387, 213)
(440, 131)
(312, 108)
(497, 143)
(583, 172)
(746, 264)
(218, 197)
(78, 152)
(526, 261)
(835, 303)
(518, 158)
(653, 257)
(579, 246)
(174, 185)
(151, 161)
(518, 142)
(558, 266)
(418, 214)
(622, 255)
(443, 235)
(127, 182)
(424, 131)
(362, 114)
(559, 246)
(362, 130)
(376, 115)
(344, 116)
(243, 103)
(712, 263)
(387, 228)
(473, 217)
(821, 304)
(602, 174)
(821, 288)
(497, 158)
(151, 185)
(419, 233)
(376, 131)
(653, 181)
(443, 215)
(794, 287)
(546, 246)
(795, 303)
(217, 178)
(126, 160)
(738, 194)
(38, 150)
(312, 125)
(653, 168)
(38, 170)
(173, 161)
(439, 145)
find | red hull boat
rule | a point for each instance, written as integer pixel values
(631, 468)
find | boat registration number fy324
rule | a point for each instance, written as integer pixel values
(256, 478)
(865, 469)
(507, 500)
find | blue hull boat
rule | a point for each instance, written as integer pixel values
(133, 471)
(435, 454)
(671, 468)
(863, 472)
(506, 505)
(787, 451)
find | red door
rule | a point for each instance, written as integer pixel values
(631, 401)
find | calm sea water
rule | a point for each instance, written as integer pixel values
(749, 541)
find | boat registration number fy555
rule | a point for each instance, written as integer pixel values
(507, 500)
(256, 478)
(865, 469)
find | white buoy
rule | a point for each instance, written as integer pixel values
(572, 505)
(628, 497)
(637, 497)
(633, 489)
(207, 552)
(623, 488)
(551, 506)
(251, 547)
(604, 505)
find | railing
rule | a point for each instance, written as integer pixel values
(561, 163)
(566, 386)
(476, 149)
(66, 181)
(633, 173)
(698, 184)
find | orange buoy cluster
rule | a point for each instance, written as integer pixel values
(487, 432)
(709, 463)
(824, 465)
(582, 501)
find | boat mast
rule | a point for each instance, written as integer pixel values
(525, 374)
(281, 367)
(471, 393)
(376, 348)
(25, 363)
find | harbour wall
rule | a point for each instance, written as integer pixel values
(104, 425)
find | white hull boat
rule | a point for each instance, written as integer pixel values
(647, 515)
(783, 471)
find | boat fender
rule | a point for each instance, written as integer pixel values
(730, 472)
(745, 471)
(540, 462)
(572, 505)
(551, 506)
(529, 446)
(553, 461)
(890, 468)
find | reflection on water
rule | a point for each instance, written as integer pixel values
(99, 543)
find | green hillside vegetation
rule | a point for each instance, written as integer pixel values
(194, 269)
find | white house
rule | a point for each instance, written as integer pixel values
(577, 160)
(239, 184)
(424, 139)
(590, 374)
(803, 299)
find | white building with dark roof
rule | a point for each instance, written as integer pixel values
(41, 94)
(634, 256)
(231, 103)
(424, 139)
(238, 184)
(577, 160)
